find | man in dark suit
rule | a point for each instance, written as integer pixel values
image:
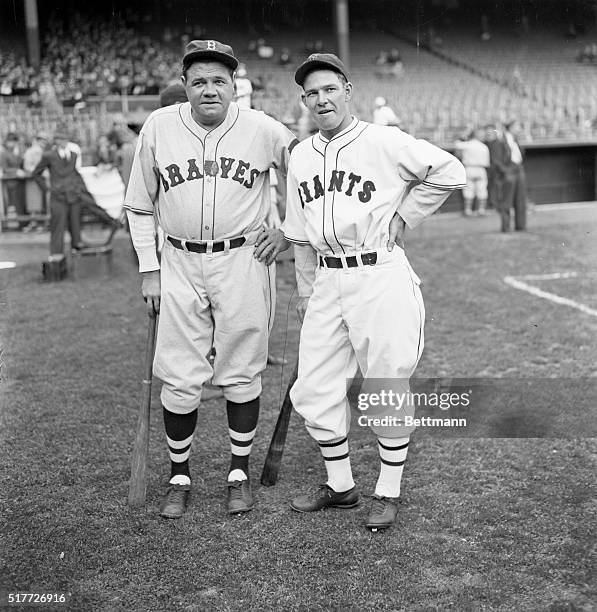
(68, 194)
(507, 184)
(514, 180)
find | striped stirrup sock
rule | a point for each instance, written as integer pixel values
(392, 453)
(337, 464)
(179, 435)
(242, 425)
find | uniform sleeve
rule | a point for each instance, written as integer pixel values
(293, 227)
(143, 185)
(283, 143)
(435, 172)
(142, 228)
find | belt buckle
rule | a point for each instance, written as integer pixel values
(183, 245)
(209, 245)
(322, 262)
(369, 259)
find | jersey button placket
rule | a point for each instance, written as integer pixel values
(210, 187)
(328, 198)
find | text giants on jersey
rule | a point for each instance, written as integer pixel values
(211, 168)
(313, 189)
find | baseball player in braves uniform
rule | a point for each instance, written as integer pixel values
(360, 298)
(202, 168)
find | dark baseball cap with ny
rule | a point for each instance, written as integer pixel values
(198, 50)
(320, 61)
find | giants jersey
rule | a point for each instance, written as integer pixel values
(343, 192)
(207, 185)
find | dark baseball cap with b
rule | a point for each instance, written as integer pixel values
(198, 50)
(320, 61)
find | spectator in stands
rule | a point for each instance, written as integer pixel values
(35, 198)
(264, 51)
(383, 114)
(395, 63)
(34, 100)
(475, 158)
(517, 82)
(588, 54)
(389, 63)
(242, 87)
(514, 180)
(104, 154)
(285, 57)
(11, 166)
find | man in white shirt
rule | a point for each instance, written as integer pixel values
(474, 156)
(243, 88)
(383, 114)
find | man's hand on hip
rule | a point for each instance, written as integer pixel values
(150, 288)
(396, 232)
(268, 244)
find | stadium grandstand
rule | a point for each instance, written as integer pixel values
(445, 66)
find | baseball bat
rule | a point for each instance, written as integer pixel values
(138, 481)
(271, 467)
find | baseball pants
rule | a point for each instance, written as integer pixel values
(369, 317)
(224, 300)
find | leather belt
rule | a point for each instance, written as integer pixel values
(368, 259)
(202, 247)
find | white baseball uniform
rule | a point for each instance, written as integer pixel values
(342, 194)
(210, 192)
(475, 158)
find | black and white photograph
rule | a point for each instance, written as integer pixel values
(298, 305)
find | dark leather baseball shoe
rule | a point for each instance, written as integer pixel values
(383, 513)
(325, 497)
(175, 501)
(240, 498)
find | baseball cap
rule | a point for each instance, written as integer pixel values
(325, 61)
(209, 50)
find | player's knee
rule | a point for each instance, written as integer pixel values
(241, 393)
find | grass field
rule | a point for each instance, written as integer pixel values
(485, 524)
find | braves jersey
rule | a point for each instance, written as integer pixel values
(343, 192)
(207, 185)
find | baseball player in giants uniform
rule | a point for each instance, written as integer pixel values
(202, 169)
(360, 298)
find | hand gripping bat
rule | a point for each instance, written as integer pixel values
(138, 481)
(271, 467)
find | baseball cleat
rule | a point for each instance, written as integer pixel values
(175, 501)
(325, 497)
(383, 513)
(240, 498)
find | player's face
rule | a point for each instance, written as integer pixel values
(210, 88)
(327, 97)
